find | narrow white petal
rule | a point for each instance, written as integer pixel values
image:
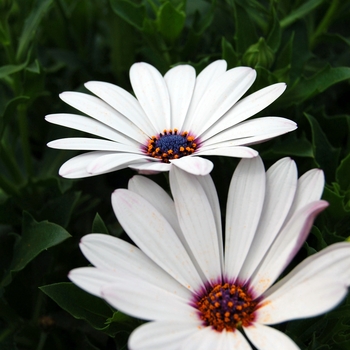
(208, 339)
(107, 162)
(230, 151)
(147, 301)
(208, 185)
(197, 222)
(244, 206)
(91, 279)
(90, 144)
(155, 237)
(313, 287)
(151, 91)
(194, 165)
(101, 111)
(76, 167)
(252, 131)
(180, 81)
(285, 246)
(162, 335)
(89, 125)
(220, 96)
(281, 183)
(149, 168)
(308, 298)
(123, 259)
(123, 102)
(267, 338)
(158, 197)
(310, 188)
(204, 80)
(246, 108)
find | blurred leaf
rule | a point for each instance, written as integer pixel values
(229, 54)
(11, 68)
(343, 173)
(170, 21)
(275, 34)
(36, 237)
(325, 154)
(132, 13)
(30, 27)
(81, 305)
(300, 12)
(98, 226)
(309, 87)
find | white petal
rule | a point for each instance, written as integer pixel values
(123, 259)
(146, 301)
(194, 165)
(204, 80)
(155, 237)
(101, 111)
(89, 125)
(197, 222)
(330, 266)
(220, 96)
(246, 108)
(281, 182)
(208, 339)
(150, 167)
(162, 335)
(267, 338)
(310, 188)
(180, 81)
(208, 186)
(123, 102)
(109, 162)
(91, 279)
(285, 246)
(159, 198)
(252, 131)
(87, 144)
(244, 206)
(231, 151)
(76, 167)
(308, 298)
(151, 91)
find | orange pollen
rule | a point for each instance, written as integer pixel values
(171, 145)
(228, 307)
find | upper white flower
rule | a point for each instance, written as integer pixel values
(198, 294)
(174, 120)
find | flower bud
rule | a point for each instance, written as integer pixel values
(259, 54)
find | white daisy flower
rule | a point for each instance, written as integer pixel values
(199, 293)
(174, 119)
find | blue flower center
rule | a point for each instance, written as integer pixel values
(227, 306)
(170, 145)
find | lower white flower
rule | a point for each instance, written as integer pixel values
(198, 294)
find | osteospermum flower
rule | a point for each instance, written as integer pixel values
(199, 295)
(174, 119)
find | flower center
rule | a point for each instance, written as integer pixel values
(170, 145)
(227, 306)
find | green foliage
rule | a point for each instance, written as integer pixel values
(52, 46)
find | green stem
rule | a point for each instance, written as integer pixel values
(24, 135)
(326, 21)
(42, 341)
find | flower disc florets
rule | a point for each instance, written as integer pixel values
(171, 145)
(227, 306)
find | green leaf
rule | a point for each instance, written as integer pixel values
(30, 27)
(343, 173)
(11, 68)
(81, 305)
(36, 237)
(309, 87)
(170, 21)
(132, 13)
(325, 154)
(98, 226)
(300, 12)
(274, 37)
(229, 54)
